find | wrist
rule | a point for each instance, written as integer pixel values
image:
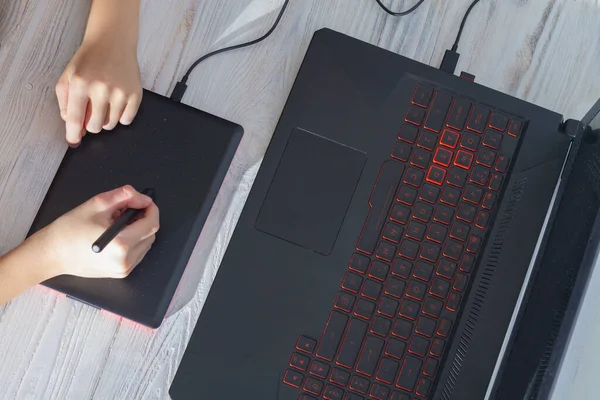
(40, 256)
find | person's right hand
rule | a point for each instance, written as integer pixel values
(68, 240)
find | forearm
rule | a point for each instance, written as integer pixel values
(114, 17)
(23, 268)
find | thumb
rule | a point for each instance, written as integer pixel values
(123, 197)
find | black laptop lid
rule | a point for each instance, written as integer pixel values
(561, 274)
(182, 153)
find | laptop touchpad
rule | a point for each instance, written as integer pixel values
(311, 191)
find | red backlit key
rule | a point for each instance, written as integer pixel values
(429, 193)
(380, 326)
(369, 356)
(306, 344)
(501, 163)
(380, 201)
(344, 301)
(422, 96)
(482, 219)
(420, 158)
(359, 263)
(459, 231)
(352, 396)
(414, 115)
(364, 309)
(395, 348)
(437, 347)
(453, 249)
(304, 396)
(319, 369)
(401, 151)
(311, 385)
(460, 283)
(393, 232)
(408, 133)
(418, 346)
(446, 268)
(480, 175)
(426, 140)
(450, 196)
(406, 195)
(358, 384)
(339, 377)
(473, 194)
(379, 392)
(351, 282)
(458, 113)
(436, 175)
(443, 156)
(463, 159)
(443, 214)
(453, 301)
(385, 251)
(457, 177)
(514, 128)
(416, 290)
(437, 111)
(498, 121)
(409, 249)
(379, 270)
(466, 212)
(430, 367)
(486, 158)
(394, 287)
(409, 309)
(422, 211)
(416, 230)
(489, 199)
(423, 271)
(387, 306)
(444, 326)
(371, 290)
(496, 182)
(402, 268)
(351, 343)
(399, 214)
(425, 326)
(430, 252)
(413, 177)
(474, 244)
(432, 307)
(492, 139)
(333, 393)
(478, 118)
(439, 288)
(449, 138)
(411, 368)
(399, 396)
(387, 370)
(299, 362)
(402, 329)
(437, 233)
(332, 335)
(423, 387)
(466, 264)
(469, 141)
(293, 378)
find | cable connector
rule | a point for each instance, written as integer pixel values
(178, 91)
(450, 61)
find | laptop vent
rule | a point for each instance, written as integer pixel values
(504, 222)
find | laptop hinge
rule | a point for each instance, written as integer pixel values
(572, 128)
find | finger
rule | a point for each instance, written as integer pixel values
(123, 197)
(131, 109)
(116, 107)
(76, 110)
(143, 228)
(99, 101)
(62, 95)
(137, 254)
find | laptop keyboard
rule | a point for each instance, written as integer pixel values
(431, 206)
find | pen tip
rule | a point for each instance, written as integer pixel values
(96, 248)
(150, 192)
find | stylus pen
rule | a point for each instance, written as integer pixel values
(112, 231)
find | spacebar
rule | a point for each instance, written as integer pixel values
(380, 201)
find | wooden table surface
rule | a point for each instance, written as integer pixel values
(547, 52)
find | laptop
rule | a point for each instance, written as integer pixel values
(181, 152)
(399, 240)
